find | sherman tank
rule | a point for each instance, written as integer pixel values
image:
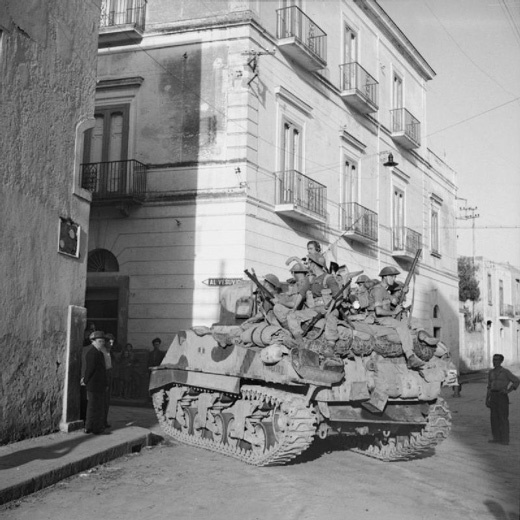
(254, 393)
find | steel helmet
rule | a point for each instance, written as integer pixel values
(362, 279)
(389, 270)
(273, 280)
(299, 268)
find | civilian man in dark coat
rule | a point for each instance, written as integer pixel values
(95, 380)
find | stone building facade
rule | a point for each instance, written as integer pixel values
(229, 133)
(492, 324)
(47, 86)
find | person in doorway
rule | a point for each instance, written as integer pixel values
(95, 381)
(107, 353)
(156, 355)
(500, 383)
(126, 371)
(91, 327)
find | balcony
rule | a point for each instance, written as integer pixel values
(405, 243)
(122, 22)
(507, 312)
(300, 197)
(359, 223)
(301, 39)
(118, 183)
(406, 129)
(358, 88)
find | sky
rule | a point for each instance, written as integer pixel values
(473, 108)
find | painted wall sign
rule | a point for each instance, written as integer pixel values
(221, 281)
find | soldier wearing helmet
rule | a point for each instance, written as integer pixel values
(386, 310)
(294, 298)
(360, 297)
(265, 305)
(323, 288)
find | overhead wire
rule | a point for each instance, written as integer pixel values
(475, 64)
(511, 20)
(319, 167)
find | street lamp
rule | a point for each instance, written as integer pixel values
(390, 163)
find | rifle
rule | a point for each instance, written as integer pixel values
(264, 291)
(406, 284)
(332, 303)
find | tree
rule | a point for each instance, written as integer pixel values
(468, 283)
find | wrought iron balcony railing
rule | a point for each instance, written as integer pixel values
(353, 77)
(115, 180)
(507, 310)
(405, 241)
(294, 23)
(302, 192)
(406, 125)
(359, 221)
(116, 13)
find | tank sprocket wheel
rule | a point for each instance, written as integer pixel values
(407, 447)
(287, 430)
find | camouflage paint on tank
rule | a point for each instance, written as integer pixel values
(202, 354)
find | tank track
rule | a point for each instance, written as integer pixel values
(407, 447)
(293, 433)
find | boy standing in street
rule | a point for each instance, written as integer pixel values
(500, 382)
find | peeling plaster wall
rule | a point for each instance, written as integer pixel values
(47, 87)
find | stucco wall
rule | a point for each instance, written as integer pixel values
(47, 82)
(199, 114)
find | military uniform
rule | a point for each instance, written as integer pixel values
(383, 299)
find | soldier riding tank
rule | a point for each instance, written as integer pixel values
(256, 395)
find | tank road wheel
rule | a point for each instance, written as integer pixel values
(230, 430)
(186, 420)
(407, 447)
(231, 440)
(198, 430)
(218, 433)
(280, 425)
(178, 426)
(263, 438)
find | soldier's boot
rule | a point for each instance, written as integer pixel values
(413, 361)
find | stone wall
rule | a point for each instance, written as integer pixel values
(47, 84)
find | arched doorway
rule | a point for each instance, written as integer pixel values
(106, 298)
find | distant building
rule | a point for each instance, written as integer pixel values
(229, 133)
(47, 86)
(491, 325)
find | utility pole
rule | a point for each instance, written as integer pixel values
(470, 215)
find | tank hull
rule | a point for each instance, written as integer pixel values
(226, 398)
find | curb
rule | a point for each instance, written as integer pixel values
(32, 477)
